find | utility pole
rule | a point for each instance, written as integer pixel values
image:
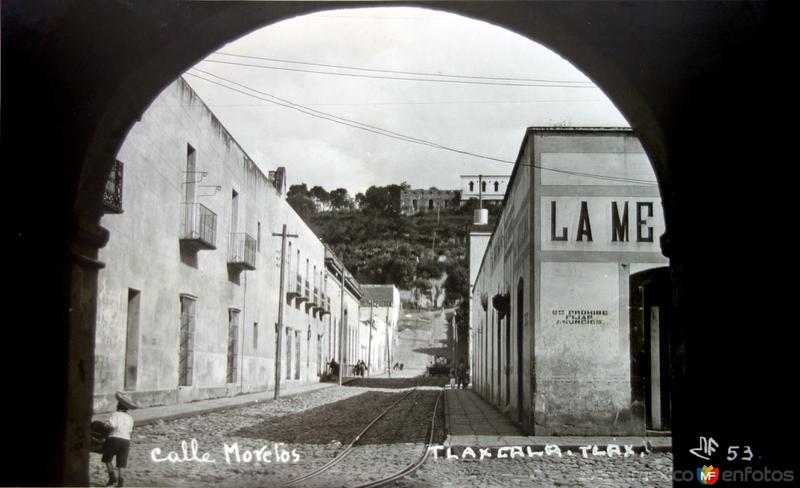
(454, 338)
(279, 325)
(369, 350)
(341, 327)
(480, 191)
(388, 345)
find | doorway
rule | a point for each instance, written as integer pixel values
(650, 322)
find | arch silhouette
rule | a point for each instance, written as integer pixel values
(693, 79)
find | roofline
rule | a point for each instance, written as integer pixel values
(489, 176)
(538, 128)
(333, 262)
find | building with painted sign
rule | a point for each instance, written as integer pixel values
(552, 321)
(188, 301)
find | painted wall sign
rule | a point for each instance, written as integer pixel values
(580, 317)
(580, 309)
(610, 224)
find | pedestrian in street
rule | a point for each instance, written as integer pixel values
(118, 444)
(461, 374)
(361, 367)
(401, 366)
(334, 368)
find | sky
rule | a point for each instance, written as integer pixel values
(487, 117)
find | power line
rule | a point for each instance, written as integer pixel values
(316, 113)
(383, 103)
(416, 73)
(395, 135)
(400, 78)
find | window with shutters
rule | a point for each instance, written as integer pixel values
(186, 341)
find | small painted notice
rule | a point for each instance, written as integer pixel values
(581, 317)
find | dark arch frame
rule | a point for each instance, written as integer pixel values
(684, 74)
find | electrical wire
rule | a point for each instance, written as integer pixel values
(416, 73)
(400, 78)
(396, 135)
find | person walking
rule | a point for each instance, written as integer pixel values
(461, 374)
(118, 444)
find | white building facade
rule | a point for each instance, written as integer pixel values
(189, 297)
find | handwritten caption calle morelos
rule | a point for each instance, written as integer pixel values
(516, 452)
(190, 452)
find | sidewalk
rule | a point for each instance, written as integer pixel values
(147, 415)
(471, 421)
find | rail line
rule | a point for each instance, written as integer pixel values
(415, 466)
(347, 450)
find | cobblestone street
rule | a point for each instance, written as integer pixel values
(651, 470)
(272, 442)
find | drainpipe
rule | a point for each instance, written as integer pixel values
(241, 336)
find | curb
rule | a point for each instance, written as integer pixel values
(219, 408)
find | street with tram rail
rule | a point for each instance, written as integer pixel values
(370, 432)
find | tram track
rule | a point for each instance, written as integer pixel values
(418, 462)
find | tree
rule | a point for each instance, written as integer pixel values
(430, 269)
(455, 285)
(303, 205)
(361, 200)
(340, 200)
(300, 190)
(322, 195)
(384, 200)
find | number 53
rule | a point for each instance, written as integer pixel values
(733, 453)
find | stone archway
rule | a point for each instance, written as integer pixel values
(77, 75)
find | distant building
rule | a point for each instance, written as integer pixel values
(413, 202)
(490, 188)
(380, 308)
(344, 309)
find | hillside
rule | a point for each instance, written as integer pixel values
(411, 252)
(424, 255)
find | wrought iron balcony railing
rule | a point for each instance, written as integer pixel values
(198, 227)
(326, 306)
(293, 287)
(299, 290)
(309, 296)
(242, 251)
(112, 196)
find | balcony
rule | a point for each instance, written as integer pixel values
(299, 293)
(198, 227)
(324, 306)
(319, 302)
(310, 298)
(241, 252)
(112, 196)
